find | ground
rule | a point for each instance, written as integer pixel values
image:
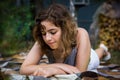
(10, 67)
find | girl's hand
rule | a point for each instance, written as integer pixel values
(48, 71)
(67, 68)
(45, 72)
(55, 69)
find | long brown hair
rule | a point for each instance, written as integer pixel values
(60, 16)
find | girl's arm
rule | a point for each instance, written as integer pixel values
(83, 50)
(30, 63)
(53, 69)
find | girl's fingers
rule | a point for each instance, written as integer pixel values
(76, 70)
(35, 73)
(38, 72)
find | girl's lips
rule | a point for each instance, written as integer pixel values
(51, 43)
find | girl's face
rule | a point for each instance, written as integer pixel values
(51, 34)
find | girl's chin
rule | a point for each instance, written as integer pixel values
(53, 47)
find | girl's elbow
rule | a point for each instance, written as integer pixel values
(21, 71)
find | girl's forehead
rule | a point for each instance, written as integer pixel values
(46, 25)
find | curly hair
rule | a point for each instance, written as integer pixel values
(60, 17)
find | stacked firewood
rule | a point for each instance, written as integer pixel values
(109, 32)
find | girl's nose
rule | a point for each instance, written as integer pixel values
(48, 37)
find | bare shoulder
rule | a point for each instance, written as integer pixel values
(37, 44)
(35, 50)
(82, 31)
(82, 37)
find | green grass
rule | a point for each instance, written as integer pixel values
(115, 57)
(15, 48)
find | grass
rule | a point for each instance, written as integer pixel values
(115, 57)
(15, 48)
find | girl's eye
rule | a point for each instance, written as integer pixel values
(53, 32)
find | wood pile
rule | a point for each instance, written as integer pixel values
(109, 31)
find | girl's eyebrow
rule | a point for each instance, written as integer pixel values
(51, 30)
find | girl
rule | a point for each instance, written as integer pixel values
(67, 46)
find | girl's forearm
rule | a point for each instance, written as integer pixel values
(52, 69)
(30, 69)
(66, 68)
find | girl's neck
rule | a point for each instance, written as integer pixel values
(58, 55)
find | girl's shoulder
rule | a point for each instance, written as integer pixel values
(82, 35)
(81, 31)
